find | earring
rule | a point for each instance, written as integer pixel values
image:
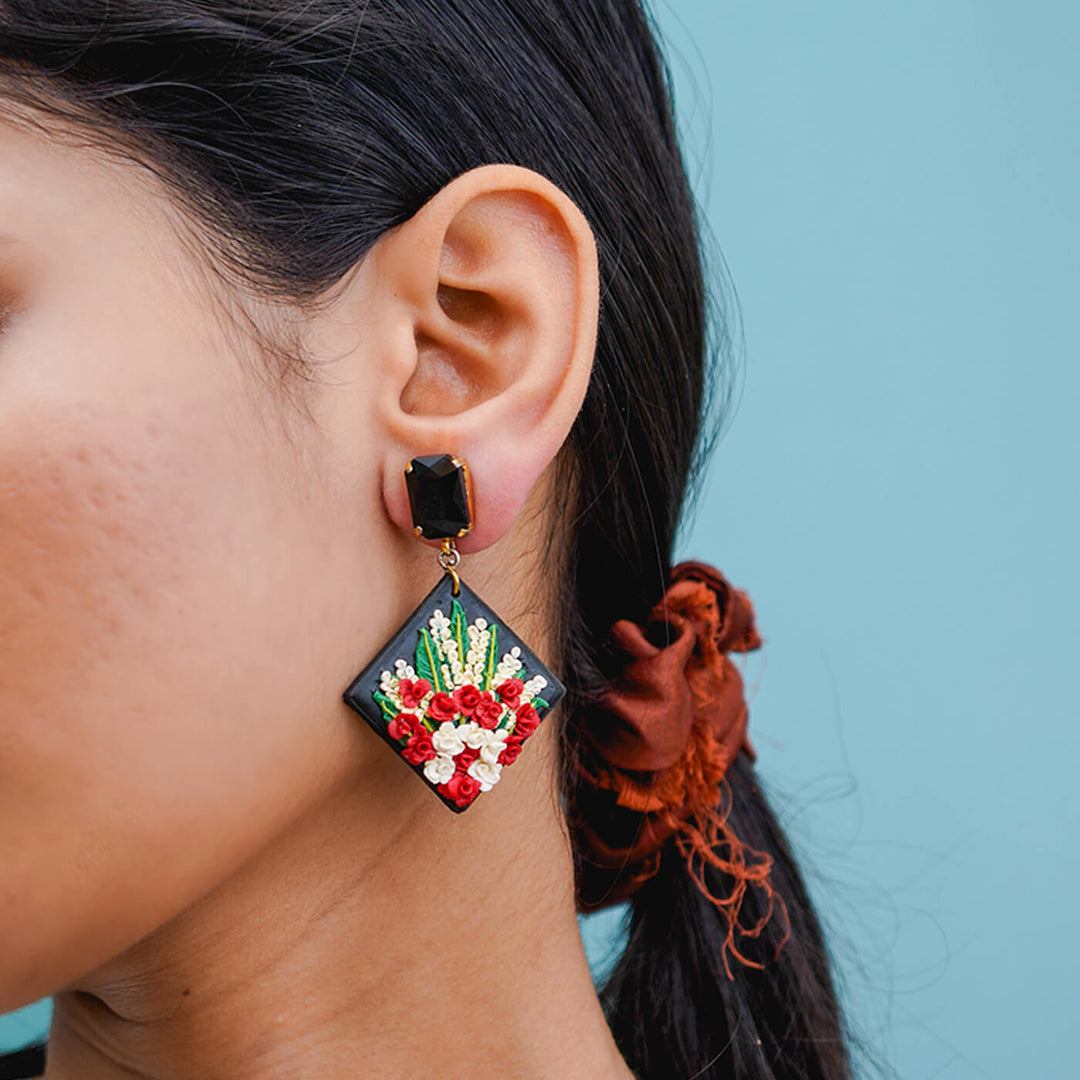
(454, 691)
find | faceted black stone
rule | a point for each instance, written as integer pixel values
(438, 496)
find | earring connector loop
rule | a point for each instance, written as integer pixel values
(449, 557)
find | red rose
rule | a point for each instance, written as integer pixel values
(466, 697)
(466, 758)
(402, 726)
(527, 719)
(487, 711)
(418, 749)
(412, 690)
(461, 788)
(442, 707)
(509, 753)
(510, 691)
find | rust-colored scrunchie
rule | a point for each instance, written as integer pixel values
(652, 766)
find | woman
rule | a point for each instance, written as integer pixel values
(258, 257)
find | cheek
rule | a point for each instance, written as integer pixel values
(150, 681)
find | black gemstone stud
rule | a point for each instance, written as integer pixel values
(439, 496)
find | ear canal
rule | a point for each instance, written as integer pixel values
(471, 309)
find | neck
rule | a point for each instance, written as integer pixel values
(415, 944)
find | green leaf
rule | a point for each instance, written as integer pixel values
(387, 706)
(427, 660)
(520, 673)
(492, 658)
(539, 703)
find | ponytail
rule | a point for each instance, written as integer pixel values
(672, 1007)
(725, 973)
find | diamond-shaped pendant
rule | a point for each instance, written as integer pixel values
(456, 693)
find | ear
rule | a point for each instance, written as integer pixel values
(492, 290)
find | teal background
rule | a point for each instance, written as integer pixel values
(894, 190)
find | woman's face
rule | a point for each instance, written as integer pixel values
(190, 574)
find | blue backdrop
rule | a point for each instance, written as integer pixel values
(894, 190)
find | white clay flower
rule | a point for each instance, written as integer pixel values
(472, 734)
(447, 739)
(403, 670)
(439, 769)
(486, 772)
(509, 665)
(494, 747)
(533, 687)
(440, 625)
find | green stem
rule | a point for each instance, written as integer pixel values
(436, 674)
(489, 667)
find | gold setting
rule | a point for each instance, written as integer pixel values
(467, 475)
(449, 556)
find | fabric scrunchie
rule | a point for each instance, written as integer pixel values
(651, 768)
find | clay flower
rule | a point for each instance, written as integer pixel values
(448, 740)
(486, 773)
(457, 708)
(440, 768)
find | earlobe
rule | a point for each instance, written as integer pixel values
(497, 276)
